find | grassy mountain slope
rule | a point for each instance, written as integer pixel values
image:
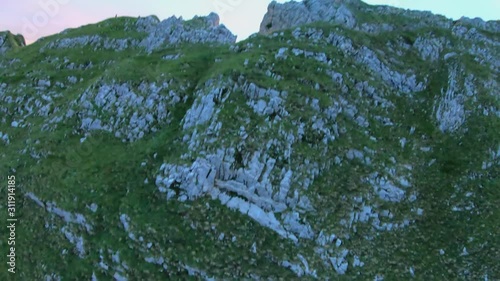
(316, 152)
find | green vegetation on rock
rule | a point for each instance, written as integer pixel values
(333, 150)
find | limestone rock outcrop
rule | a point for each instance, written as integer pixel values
(353, 14)
(290, 14)
(175, 30)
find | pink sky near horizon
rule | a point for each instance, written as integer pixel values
(39, 18)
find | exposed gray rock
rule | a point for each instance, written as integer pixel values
(171, 31)
(340, 264)
(93, 41)
(386, 189)
(265, 101)
(136, 111)
(403, 82)
(450, 112)
(493, 26)
(430, 47)
(68, 217)
(76, 240)
(175, 30)
(291, 14)
(203, 109)
(374, 28)
(4, 138)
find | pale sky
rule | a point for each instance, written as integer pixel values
(38, 18)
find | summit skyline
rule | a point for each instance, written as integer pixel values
(38, 18)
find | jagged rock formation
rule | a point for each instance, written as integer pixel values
(9, 41)
(351, 143)
(172, 31)
(355, 14)
(291, 14)
(175, 31)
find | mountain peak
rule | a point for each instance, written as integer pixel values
(289, 14)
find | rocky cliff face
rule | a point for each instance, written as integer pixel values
(292, 14)
(360, 144)
(355, 14)
(151, 34)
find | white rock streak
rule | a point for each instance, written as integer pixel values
(450, 112)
